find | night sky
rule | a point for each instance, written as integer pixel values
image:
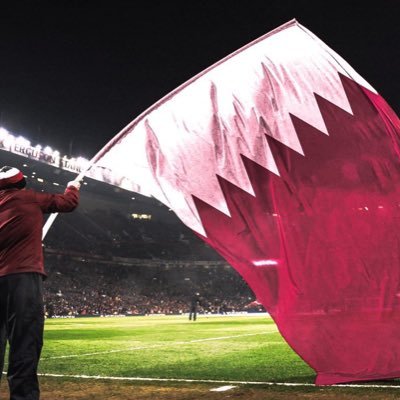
(74, 73)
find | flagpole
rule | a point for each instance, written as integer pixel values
(53, 216)
(115, 139)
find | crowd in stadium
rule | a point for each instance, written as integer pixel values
(97, 260)
(82, 288)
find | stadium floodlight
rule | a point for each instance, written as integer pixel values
(48, 150)
(21, 141)
(8, 142)
(82, 162)
(3, 133)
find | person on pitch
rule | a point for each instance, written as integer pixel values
(21, 276)
(194, 304)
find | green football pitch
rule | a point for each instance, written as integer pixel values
(212, 348)
(156, 354)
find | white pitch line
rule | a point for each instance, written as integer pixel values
(226, 337)
(291, 384)
(156, 346)
(223, 388)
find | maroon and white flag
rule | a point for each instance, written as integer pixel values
(286, 161)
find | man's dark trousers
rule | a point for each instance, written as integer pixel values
(193, 313)
(21, 323)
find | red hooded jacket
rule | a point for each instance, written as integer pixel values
(21, 222)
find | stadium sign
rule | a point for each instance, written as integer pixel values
(22, 146)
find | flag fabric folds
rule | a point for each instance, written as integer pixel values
(286, 161)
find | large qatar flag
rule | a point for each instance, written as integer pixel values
(286, 161)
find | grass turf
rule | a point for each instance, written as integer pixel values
(212, 348)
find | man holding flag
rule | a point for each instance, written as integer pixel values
(21, 276)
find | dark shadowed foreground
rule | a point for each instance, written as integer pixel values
(73, 389)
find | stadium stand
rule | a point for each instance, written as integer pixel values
(121, 253)
(87, 288)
